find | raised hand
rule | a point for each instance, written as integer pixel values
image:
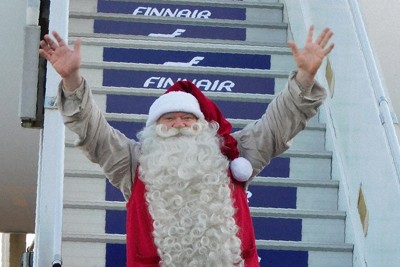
(64, 60)
(309, 59)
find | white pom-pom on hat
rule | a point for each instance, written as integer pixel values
(241, 169)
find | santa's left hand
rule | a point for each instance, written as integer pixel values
(309, 59)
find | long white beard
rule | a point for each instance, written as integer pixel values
(189, 197)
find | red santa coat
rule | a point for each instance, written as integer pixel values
(141, 250)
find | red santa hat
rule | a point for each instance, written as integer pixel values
(184, 96)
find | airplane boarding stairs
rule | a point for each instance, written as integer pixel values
(236, 52)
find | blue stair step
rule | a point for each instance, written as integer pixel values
(178, 52)
(298, 225)
(271, 224)
(280, 193)
(261, 11)
(236, 110)
(292, 193)
(270, 257)
(306, 165)
(153, 76)
(116, 256)
(187, 58)
(166, 27)
(271, 253)
(303, 254)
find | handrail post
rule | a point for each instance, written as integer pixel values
(49, 205)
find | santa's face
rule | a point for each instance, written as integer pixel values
(177, 119)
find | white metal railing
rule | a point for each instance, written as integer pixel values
(383, 105)
(49, 204)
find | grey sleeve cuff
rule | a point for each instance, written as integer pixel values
(76, 94)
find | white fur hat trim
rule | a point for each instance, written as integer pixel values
(174, 102)
(241, 169)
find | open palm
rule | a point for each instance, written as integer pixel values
(63, 59)
(309, 59)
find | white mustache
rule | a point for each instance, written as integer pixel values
(163, 131)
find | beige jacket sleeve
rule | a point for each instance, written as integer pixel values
(286, 115)
(101, 143)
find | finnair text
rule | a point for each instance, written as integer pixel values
(175, 13)
(203, 84)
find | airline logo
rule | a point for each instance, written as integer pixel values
(168, 30)
(206, 82)
(172, 12)
(176, 33)
(167, 10)
(192, 62)
(187, 58)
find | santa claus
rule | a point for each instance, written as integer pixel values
(183, 179)
(183, 185)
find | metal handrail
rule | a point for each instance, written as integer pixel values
(383, 105)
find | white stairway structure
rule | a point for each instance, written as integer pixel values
(236, 52)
